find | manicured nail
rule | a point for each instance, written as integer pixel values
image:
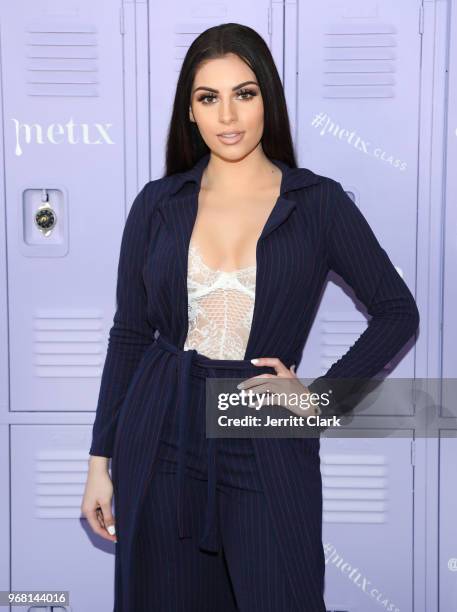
(111, 529)
(254, 361)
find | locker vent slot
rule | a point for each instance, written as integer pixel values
(60, 477)
(354, 488)
(61, 60)
(339, 331)
(359, 61)
(68, 344)
(185, 33)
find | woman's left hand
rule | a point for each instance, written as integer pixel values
(284, 384)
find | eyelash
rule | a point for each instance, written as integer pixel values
(251, 93)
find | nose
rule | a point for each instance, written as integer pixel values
(227, 111)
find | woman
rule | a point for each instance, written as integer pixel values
(222, 261)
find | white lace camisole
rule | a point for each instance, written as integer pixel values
(220, 308)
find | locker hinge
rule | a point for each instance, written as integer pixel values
(269, 20)
(421, 18)
(121, 20)
(413, 452)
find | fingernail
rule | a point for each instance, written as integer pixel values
(254, 361)
(111, 529)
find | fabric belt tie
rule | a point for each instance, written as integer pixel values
(210, 538)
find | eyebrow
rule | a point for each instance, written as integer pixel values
(233, 88)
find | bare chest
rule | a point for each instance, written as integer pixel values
(227, 228)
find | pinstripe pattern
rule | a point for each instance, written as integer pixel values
(235, 457)
(192, 580)
(313, 227)
(252, 576)
(188, 415)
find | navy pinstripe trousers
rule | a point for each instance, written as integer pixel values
(247, 575)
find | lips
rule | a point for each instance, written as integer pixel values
(230, 137)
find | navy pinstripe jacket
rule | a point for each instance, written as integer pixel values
(313, 228)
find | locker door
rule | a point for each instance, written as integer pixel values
(357, 121)
(174, 25)
(367, 523)
(449, 322)
(4, 391)
(357, 112)
(447, 566)
(448, 512)
(64, 142)
(53, 546)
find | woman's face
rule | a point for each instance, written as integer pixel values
(226, 98)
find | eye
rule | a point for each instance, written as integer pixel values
(247, 92)
(204, 97)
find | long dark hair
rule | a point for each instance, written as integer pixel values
(185, 146)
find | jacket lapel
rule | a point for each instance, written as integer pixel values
(179, 212)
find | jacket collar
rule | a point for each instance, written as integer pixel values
(292, 178)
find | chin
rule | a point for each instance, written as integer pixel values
(233, 153)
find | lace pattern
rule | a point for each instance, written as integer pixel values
(220, 308)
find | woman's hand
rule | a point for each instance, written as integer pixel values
(285, 383)
(96, 503)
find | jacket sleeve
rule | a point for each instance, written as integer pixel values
(355, 254)
(130, 333)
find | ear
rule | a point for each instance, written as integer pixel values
(191, 115)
